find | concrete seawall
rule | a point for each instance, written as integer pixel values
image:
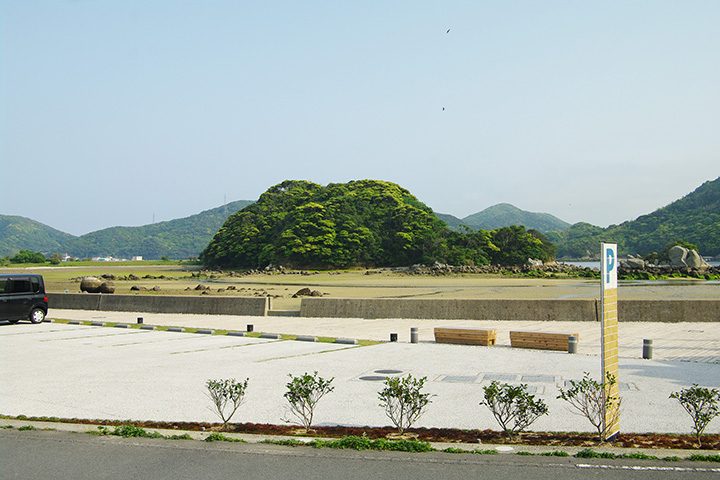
(586, 310)
(574, 310)
(251, 306)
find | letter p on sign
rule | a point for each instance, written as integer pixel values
(609, 265)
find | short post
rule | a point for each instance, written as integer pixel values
(647, 349)
(140, 320)
(572, 344)
(393, 337)
(413, 335)
(249, 328)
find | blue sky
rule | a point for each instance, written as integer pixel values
(120, 112)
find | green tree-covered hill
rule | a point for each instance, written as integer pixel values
(694, 218)
(176, 239)
(20, 233)
(365, 223)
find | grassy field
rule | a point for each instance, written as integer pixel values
(174, 278)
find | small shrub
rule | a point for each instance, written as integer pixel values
(303, 395)
(588, 397)
(227, 396)
(402, 400)
(702, 404)
(513, 407)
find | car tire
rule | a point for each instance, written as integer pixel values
(37, 315)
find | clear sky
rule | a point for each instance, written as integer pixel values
(118, 112)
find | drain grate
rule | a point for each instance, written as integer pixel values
(538, 378)
(459, 378)
(500, 376)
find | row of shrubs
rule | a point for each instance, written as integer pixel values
(512, 406)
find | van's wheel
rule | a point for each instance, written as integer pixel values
(37, 315)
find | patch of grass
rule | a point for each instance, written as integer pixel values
(590, 453)
(555, 453)
(7, 426)
(704, 458)
(127, 431)
(491, 451)
(672, 459)
(285, 442)
(454, 450)
(219, 437)
(637, 456)
(523, 452)
(26, 427)
(363, 443)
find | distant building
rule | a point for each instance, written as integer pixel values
(137, 258)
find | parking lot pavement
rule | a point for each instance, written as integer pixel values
(94, 372)
(695, 342)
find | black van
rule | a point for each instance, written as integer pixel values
(22, 297)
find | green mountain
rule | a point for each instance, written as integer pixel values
(301, 224)
(452, 222)
(20, 233)
(504, 215)
(694, 218)
(177, 239)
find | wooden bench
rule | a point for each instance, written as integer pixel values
(541, 340)
(466, 336)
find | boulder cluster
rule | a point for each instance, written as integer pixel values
(680, 261)
(531, 266)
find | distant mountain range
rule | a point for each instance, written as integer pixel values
(695, 218)
(503, 215)
(177, 239)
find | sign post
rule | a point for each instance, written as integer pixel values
(609, 261)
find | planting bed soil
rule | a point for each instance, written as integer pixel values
(447, 435)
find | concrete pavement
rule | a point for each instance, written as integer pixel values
(83, 371)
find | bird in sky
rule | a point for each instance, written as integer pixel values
(448, 31)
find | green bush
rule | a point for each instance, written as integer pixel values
(227, 396)
(303, 395)
(513, 407)
(702, 404)
(587, 396)
(402, 400)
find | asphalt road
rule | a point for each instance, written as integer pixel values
(50, 455)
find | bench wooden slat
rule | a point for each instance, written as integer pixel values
(466, 336)
(541, 340)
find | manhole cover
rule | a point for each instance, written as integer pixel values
(373, 378)
(388, 372)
